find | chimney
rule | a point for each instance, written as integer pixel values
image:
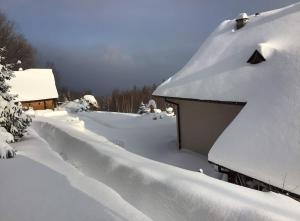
(241, 20)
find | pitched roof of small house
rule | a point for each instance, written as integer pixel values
(263, 141)
(33, 84)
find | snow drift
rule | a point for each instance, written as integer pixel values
(160, 191)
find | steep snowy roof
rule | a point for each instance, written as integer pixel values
(33, 84)
(263, 142)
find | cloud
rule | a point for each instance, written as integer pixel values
(115, 58)
(107, 44)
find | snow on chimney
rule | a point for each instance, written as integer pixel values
(241, 20)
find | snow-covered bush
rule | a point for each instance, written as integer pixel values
(151, 105)
(86, 103)
(170, 111)
(5, 136)
(13, 121)
(157, 111)
(6, 151)
(92, 102)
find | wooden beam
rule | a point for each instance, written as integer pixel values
(178, 122)
(199, 100)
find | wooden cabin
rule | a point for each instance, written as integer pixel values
(35, 88)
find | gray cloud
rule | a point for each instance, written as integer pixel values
(105, 44)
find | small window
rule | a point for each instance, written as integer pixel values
(256, 58)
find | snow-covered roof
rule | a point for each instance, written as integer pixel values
(33, 84)
(263, 141)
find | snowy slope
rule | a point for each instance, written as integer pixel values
(39, 185)
(33, 84)
(157, 190)
(263, 141)
(154, 139)
(64, 171)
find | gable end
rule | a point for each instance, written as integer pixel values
(256, 58)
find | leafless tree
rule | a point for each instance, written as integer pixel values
(17, 47)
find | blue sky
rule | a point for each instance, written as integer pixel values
(106, 44)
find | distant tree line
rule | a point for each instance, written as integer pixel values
(127, 101)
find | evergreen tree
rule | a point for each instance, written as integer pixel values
(142, 109)
(12, 117)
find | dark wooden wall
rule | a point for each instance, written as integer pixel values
(40, 104)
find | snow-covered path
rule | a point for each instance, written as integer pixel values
(86, 172)
(39, 185)
(153, 139)
(160, 191)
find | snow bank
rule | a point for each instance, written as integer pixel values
(266, 132)
(140, 134)
(50, 113)
(160, 191)
(40, 185)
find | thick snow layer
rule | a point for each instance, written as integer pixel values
(63, 172)
(91, 100)
(160, 191)
(39, 185)
(263, 141)
(140, 134)
(74, 106)
(5, 136)
(87, 102)
(6, 150)
(243, 16)
(33, 84)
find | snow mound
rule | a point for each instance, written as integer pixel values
(266, 132)
(160, 191)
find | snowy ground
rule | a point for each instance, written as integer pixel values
(107, 166)
(153, 139)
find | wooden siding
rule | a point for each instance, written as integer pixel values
(40, 104)
(201, 123)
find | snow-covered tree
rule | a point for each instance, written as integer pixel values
(142, 109)
(12, 118)
(152, 105)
